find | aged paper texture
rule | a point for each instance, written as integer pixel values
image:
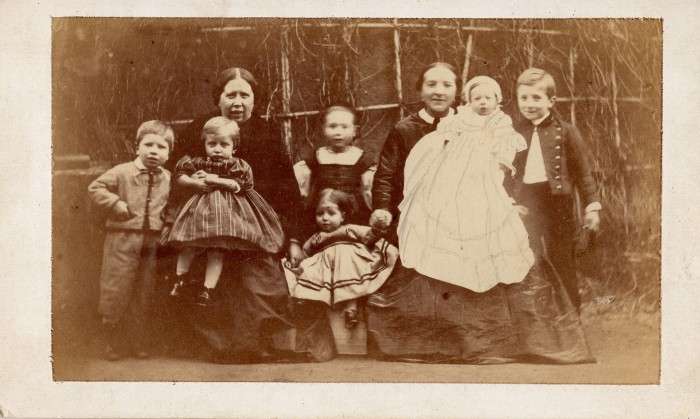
(27, 384)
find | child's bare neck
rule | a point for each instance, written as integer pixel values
(338, 150)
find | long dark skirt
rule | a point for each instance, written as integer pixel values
(417, 318)
(252, 318)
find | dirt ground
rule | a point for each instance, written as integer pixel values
(627, 352)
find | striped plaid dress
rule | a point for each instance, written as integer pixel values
(223, 219)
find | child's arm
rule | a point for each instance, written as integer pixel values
(231, 185)
(194, 183)
(102, 193)
(239, 178)
(367, 180)
(582, 177)
(302, 172)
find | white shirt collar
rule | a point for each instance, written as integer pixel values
(536, 122)
(424, 115)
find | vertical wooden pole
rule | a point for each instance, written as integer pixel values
(467, 61)
(616, 124)
(530, 51)
(572, 78)
(613, 79)
(286, 90)
(397, 64)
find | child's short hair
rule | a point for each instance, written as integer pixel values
(340, 106)
(481, 81)
(345, 202)
(220, 125)
(534, 76)
(158, 128)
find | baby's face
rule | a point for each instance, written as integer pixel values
(483, 100)
(153, 151)
(218, 147)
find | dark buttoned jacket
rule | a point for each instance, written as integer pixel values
(565, 156)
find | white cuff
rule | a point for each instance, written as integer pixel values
(594, 206)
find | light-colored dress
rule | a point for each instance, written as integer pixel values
(342, 265)
(457, 223)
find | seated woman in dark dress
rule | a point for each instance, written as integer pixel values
(414, 317)
(253, 318)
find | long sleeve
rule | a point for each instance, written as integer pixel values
(302, 172)
(127, 183)
(580, 166)
(263, 149)
(367, 182)
(103, 190)
(348, 232)
(388, 179)
(242, 173)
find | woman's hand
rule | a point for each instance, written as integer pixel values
(199, 175)
(380, 219)
(295, 254)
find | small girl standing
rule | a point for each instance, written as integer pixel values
(225, 213)
(339, 165)
(457, 223)
(343, 261)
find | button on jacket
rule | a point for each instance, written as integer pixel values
(128, 182)
(565, 159)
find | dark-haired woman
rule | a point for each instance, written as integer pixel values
(414, 317)
(254, 319)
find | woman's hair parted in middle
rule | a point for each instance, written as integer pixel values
(448, 66)
(231, 74)
(220, 125)
(344, 201)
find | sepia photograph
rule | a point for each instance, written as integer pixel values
(332, 210)
(359, 200)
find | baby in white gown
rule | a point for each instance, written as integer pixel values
(457, 222)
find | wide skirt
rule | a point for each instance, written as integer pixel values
(416, 318)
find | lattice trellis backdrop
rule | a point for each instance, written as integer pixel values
(111, 74)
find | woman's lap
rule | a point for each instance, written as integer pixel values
(252, 317)
(414, 317)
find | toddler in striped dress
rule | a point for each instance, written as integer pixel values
(224, 212)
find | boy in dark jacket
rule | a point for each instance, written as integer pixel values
(555, 162)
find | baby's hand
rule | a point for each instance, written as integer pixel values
(121, 211)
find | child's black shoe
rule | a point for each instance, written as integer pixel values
(177, 289)
(206, 297)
